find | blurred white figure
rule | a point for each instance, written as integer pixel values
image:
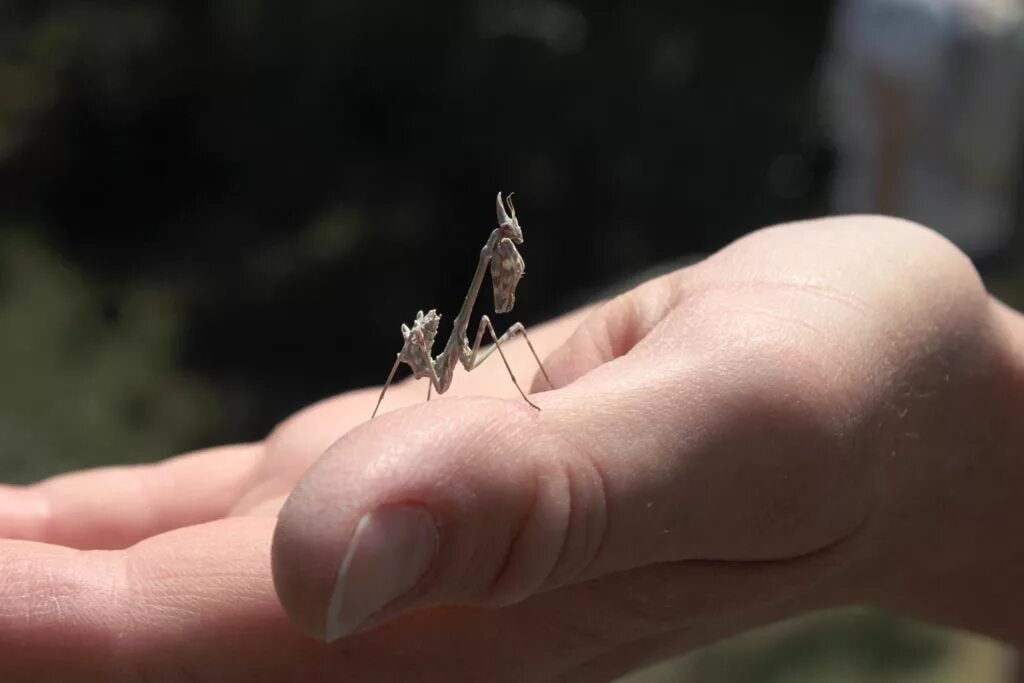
(926, 106)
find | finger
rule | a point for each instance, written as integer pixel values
(189, 600)
(199, 603)
(487, 502)
(114, 507)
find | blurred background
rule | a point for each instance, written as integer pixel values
(214, 213)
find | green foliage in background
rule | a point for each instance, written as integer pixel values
(87, 377)
(842, 646)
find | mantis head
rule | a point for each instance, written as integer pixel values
(418, 342)
(509, 225)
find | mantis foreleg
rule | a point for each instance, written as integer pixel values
(432, 383)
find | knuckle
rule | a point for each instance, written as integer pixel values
(561, 534)
(587, 521)
(585, 515)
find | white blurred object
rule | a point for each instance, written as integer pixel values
(926, 106)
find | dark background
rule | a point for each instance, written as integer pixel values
(302, 177)
(215, 212)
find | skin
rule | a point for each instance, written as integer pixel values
(823, 413)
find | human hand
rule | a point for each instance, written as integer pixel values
(821, 414)
(778, 429)
(162, 572)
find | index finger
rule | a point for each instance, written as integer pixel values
(199, 604)
(114, 507)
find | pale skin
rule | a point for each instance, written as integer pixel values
(822, 414)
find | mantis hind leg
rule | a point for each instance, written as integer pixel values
(477, 357)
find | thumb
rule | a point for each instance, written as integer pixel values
(653, 455)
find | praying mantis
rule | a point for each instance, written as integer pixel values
(507, 268)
